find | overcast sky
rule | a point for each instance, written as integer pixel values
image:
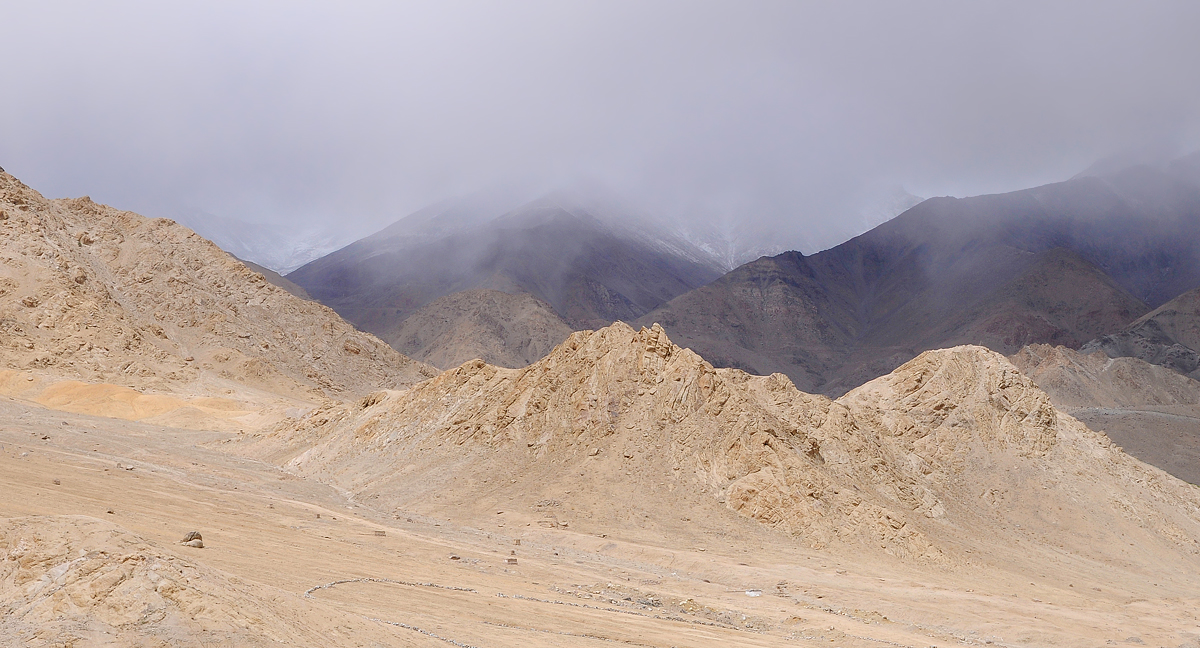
(789, 111)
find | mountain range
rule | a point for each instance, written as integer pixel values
(1064, 264)
(192, 455)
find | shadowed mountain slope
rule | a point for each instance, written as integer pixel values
(92, 293)
(1168, 336)
(499, 328)
(592, 268)
(1063, 263)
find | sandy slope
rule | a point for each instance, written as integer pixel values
(102, 295)
(266, 547)
(94, 295)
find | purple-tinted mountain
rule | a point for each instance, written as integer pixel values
(1059, 264)
(591, 267)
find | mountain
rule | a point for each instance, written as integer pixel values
(95, 294)
(952, 457)
(1168, 336)
(503, 329)
(1063, 263)
(1151, 411)
(591, 266)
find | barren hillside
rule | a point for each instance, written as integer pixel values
(952, 456)
(1168, 336)
(95, 294)
(1149, 410)
(1060, 264)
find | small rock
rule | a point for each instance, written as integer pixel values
(593, 452)
(109, 511)
(58, 482)
(193, 539)
(454, 557)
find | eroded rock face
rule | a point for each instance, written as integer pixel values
(635, 429)
(66, 580)
(103, 295)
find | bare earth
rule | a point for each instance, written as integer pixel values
(619, 491)
(1057, 563)
(1149, 410)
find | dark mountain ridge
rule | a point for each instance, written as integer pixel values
(590, 268)
(1062, 264)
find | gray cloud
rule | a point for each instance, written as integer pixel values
(781, 113)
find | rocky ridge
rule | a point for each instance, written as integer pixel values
(1168, 336)
(927, 464)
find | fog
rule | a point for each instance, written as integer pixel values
(786, 115)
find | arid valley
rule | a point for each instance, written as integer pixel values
(625, 324)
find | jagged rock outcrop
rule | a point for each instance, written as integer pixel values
(101, 295)
(919, 463)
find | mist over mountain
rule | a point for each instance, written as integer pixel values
(592, 265)
(275, 247)
(1062, 264)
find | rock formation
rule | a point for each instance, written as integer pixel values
(1168, 336)
(929, 463)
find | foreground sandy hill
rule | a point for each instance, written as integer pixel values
(99, 295)
(953, 459)
(943, 505)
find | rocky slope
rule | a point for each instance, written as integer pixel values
(620, 428)
(828, 332)
(1168, 336)
(95, 294)
(277, 279)
(499, 328)
(1061, 264)
(1151, 411)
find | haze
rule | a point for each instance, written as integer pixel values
(790, 115)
